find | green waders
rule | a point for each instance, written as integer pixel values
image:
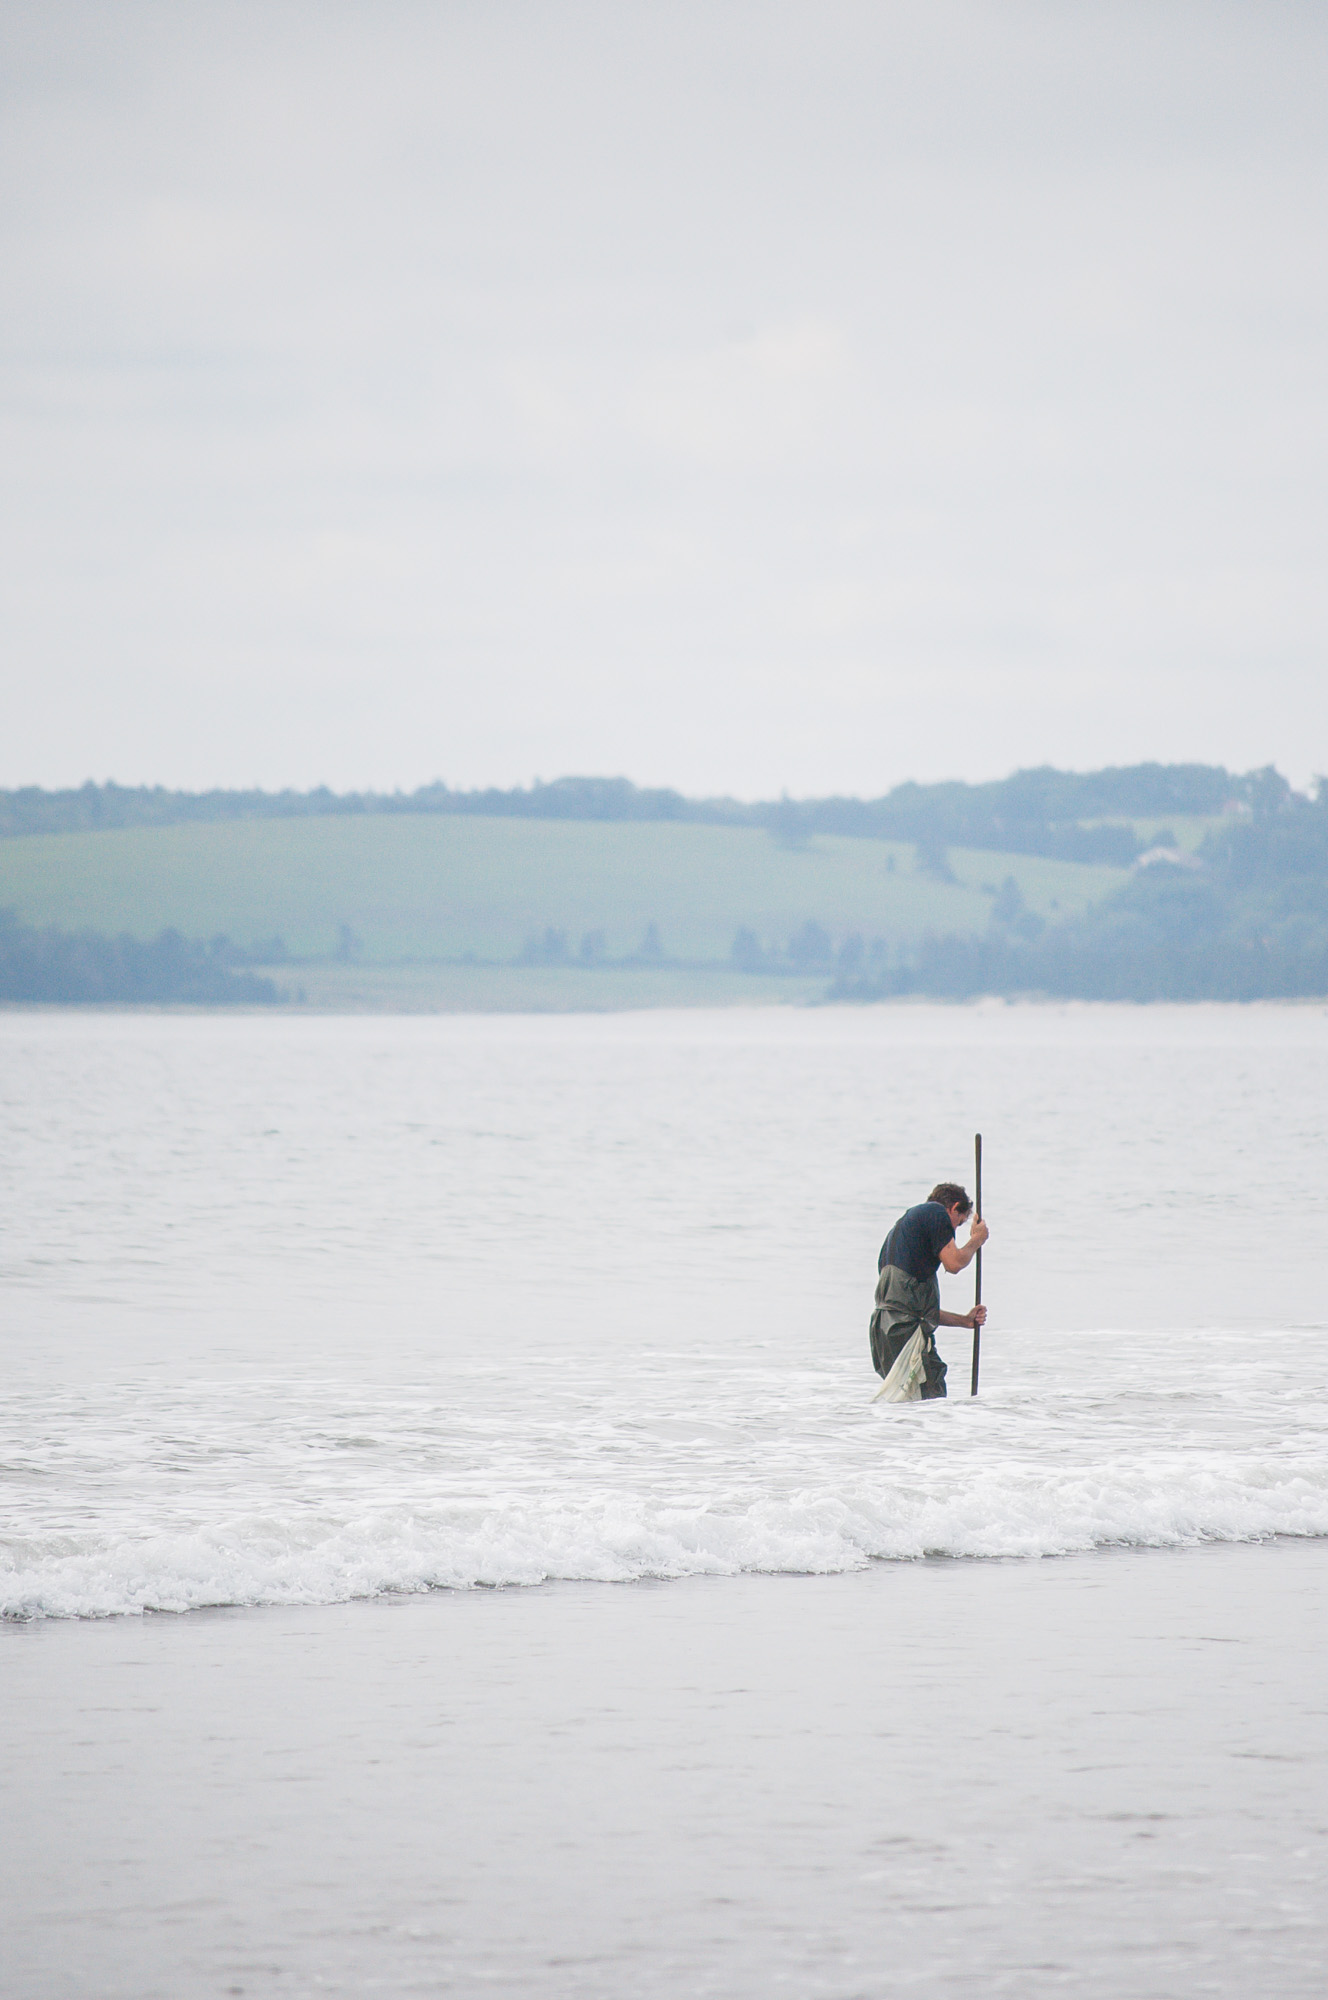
(903, 1304)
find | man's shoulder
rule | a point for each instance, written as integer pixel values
(935, 1216)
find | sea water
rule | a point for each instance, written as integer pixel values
(299, 1310)
(313, 1327)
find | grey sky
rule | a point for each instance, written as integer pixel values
(740, 396)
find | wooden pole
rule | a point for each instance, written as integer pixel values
(977, 1261)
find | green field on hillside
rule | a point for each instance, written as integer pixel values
(534, 989)
(417, 889)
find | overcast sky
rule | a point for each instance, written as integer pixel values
(737, 396)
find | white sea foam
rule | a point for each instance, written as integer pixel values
(303, 1494)
(254, 1562)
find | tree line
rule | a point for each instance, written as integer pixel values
(1065, 815)
(46, 964)
(1244, 919)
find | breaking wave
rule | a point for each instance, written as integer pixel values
(769, 1483)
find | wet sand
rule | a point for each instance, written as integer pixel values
(1100, 1775)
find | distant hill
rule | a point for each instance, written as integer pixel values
(1156, 881)
(1070, 816)
(395, 889)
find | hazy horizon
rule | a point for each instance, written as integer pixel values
(745, 399)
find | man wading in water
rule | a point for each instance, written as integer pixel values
(907, 1294)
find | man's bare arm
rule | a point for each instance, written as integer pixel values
(955, 1260)
(976, 1317)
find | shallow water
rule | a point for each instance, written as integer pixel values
(1102, 1776)
(311, 1310)
(301, 1310)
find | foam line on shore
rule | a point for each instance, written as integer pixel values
(621, 1537)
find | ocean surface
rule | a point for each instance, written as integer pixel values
(303, 1310)
(316, 1328)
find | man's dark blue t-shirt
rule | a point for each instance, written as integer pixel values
(917, 1240)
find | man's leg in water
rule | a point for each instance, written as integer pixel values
(934, 1374)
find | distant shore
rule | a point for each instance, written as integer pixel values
(532, 989)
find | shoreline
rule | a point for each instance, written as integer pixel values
(739, 993)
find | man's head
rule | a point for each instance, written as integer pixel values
(953, 1200)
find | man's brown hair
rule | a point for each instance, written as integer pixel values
(950, 1195)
